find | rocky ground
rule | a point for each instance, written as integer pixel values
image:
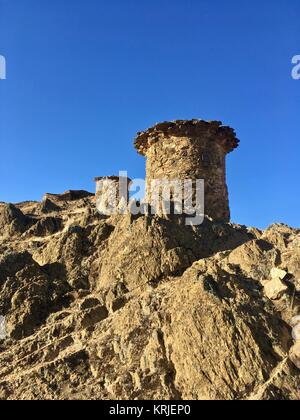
(144, 307)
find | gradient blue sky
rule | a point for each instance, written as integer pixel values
(83, 76)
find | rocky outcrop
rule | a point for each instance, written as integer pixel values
(48, 206)
(70, 195)
(28, 294)
(146, 307)
(144, 249)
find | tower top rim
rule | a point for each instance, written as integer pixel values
(115, 178)
(225, 135)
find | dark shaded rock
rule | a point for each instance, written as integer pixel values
(27, 294)
(48, 206)
(70, 195)
(12, 220)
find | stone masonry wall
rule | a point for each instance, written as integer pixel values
(191, 150)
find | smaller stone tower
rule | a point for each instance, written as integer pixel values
(112, 194)
(194, 149)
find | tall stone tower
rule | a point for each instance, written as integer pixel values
(111, 194)
(193, 150)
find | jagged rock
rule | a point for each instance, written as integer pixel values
(12, 220)
(145, 307)
(88, 303)
(276, 273)
(295, 321)
(47, 206)
(296, 332)
(255, 258)
(275, 288)
(45, 226)
(291, 259)
(144, 249)
(280, 235)
(295, 354)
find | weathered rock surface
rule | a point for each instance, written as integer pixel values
(12, 220)
(144, 307)
(295, 354)
(275, 289)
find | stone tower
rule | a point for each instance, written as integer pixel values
(193, 149)
(112, 194)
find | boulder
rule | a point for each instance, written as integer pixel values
(275, 288)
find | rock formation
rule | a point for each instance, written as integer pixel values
(144, 307)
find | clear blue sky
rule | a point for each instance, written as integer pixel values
(83, 76)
